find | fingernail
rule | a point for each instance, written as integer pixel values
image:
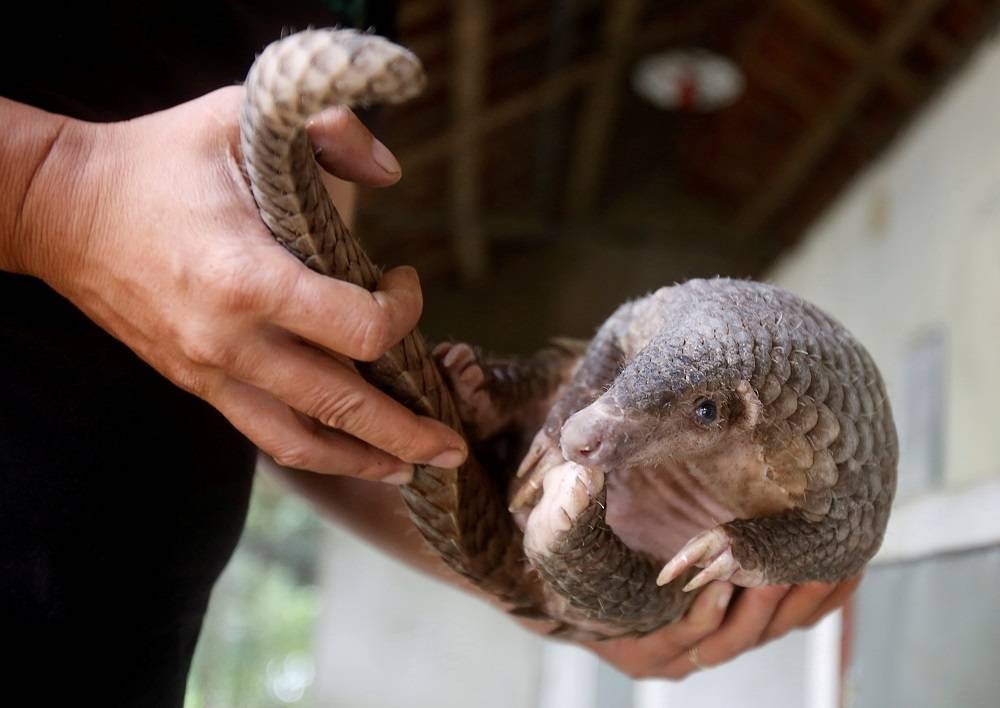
(449, 459)
(384, 157)
(723, 595)
(402, 477)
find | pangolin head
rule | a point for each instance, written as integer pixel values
(686, 392)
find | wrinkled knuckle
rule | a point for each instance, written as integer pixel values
(203, 349)
(237, 284)
(341, 410)
(191, 381)
(239, 293)
(408, 449)
(291, 457)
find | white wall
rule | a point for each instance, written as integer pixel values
(390, 637)
(914, 245)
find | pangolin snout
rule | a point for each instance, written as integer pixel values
(586, 437)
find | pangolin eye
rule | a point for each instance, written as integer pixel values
(706, 411)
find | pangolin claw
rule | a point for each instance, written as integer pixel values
(711, 550)
(723, 567)
(699, 551)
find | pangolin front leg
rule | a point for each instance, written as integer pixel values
(787, 548)
(711, 550)
(601, 363)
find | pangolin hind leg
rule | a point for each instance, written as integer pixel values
(506, 394)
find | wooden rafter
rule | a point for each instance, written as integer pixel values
(551, 143)
(807, 152)
(819, 16)
(779, 83)
(535, 30)
(769, 76)
(557, 87)
(687, 23)
(940, 45)
(416, 11)
(601, 107)
(470, 31)
(553, 89)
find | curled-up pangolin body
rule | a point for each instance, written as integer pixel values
(719, 425)
(726, 425)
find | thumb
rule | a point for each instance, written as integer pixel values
(346, 148)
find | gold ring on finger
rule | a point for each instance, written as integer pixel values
(695, 659)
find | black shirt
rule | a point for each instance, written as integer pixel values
(121, 497)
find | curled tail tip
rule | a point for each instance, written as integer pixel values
(305, 72)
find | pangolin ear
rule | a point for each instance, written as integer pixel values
(753, 409)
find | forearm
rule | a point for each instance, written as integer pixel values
(42, 159)
(376, 513)
(372, 511)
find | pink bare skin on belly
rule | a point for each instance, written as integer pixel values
(657, 510)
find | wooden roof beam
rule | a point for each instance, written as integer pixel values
(414, 12)
(469, 37)
(553, 89)
(600, 110)
(818, 15)
(779, 83)
(941, 46)
(807, 152)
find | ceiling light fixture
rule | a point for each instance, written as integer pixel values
(697, 80)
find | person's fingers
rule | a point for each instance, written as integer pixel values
(294, 441)
(740, 631)
(345, 148)
(704, 616)
(702, 620)
(646, 657)
(798, 605)
(347, 319)
(834, 600)
(318, 386)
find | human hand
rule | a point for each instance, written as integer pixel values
(709, 635)
(149, 227)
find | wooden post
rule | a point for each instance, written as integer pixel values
(817, 15)
(600, 109)
(806, 153)
(470, 56)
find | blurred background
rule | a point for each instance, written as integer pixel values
(571, 154)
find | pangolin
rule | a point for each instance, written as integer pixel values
(716, 429)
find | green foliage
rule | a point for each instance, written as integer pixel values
(255, 648)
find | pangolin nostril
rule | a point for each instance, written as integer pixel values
(585, 437)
